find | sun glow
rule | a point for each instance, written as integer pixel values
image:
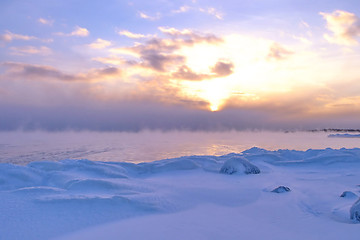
(250, 72)
(214, 91)
(260, 67)
(201, 57)
(214, 108)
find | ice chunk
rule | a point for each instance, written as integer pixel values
(239, 164)
(355, 211)
(281, 189)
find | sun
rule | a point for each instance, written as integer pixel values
(214, 91)
(214, 108)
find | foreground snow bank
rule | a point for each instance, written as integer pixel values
(184, 198)
(355, 211)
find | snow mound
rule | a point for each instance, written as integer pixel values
(355, 211)
(239, 165)
(281, 189)
(207, 163)
(348, 194)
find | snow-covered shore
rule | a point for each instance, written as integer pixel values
(185, 198)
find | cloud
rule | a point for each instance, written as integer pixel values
(30, 50)
(184, 72)
(160, 61)
(182, 9)
(213, 11)
(46, 21)
(160, 54)
(301, 39)
(158, 104)
(9, 36)
(57, 101)
(346, 103)
(190, 36)
(113, 60)
(155, 54)
(144, 114)
(5, 38)
(209, 10)
(41, 72)
(148, 17)
(345, 27)
(35, 72)
(78, 32)
(158, 69)
(129, 34)
(304, 24)
(277, 52)
(221, 69)
(100, 44)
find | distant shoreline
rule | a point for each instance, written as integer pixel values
(334, 130)
(346, 135)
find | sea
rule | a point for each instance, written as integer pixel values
(22, 147)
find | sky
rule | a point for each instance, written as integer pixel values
(185, 65)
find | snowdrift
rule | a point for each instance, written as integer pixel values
(45, 199)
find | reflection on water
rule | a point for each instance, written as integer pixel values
(24, 147)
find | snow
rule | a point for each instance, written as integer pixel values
(349, 194)
(186, 197)
(281, 189)
(355, 211)
(239, 165)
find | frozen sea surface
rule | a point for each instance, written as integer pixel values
(189, 197)
(147, 146)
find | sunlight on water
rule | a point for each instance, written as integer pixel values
(24, 147)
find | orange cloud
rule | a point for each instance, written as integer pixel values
(30, 50)
(129, 34)
(77, 32)
(345, 27)
(221, 69)
(148, 17)
(159, 54)
(9, 36)
(190, 36)
(277, 52)
(46, 21)
(100, 44)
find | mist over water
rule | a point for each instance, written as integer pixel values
(146, 146)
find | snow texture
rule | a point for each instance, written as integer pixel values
(185, 198)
